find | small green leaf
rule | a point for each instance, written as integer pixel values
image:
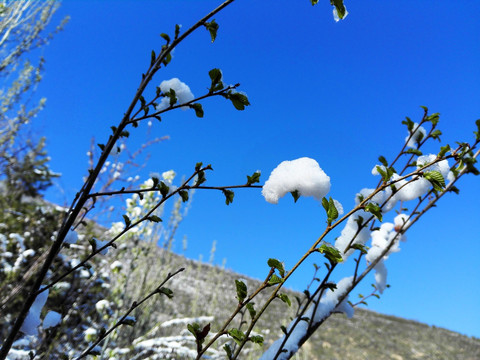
(284, 329)
(166, 37)
(238, 100)
(325, 204)
(198, 166)
(177, 30)
(276, 264)
(154, 218)
(153, 57)
(228, 196)
(241, 290)
(212, 28)
(332, 212)
(184, 195)
(383, 161)
(255, 178)
(285, 299)
(228, 350)
(101, 146)
(296, 195)
(413, 151)
(173, 98)
(375, 210)
(251, 309)
(127, 220)
(194, 329)
(165, 291)
(274, 279)
(444, 150)
(341, 10)
(164, 189)
(198, 109)
(331, 253)
(200, 178)
(216, 78)
(256, 339)
(436, 179)
(433, 118)
(130, 321)
(237, 335)
(360, 247)
(436, 134)
(410, 124)
(330, 285)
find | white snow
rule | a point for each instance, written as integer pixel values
(32, 321)
(419, 130)
(52, 319)
(182, 93)
(327, 305)
(303, 175)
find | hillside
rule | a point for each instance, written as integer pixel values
(205, 293)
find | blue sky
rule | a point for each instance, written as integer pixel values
(335, 92)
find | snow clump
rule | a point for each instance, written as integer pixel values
(419, 132)
(303, 175)
(182, 93)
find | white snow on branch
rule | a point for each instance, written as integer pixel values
(327, 305)
(419, 133)
(182, 93)
(303, 175)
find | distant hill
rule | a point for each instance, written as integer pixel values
(206, 293)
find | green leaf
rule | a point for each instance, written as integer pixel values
(341, 10)
(101, 146)
(165, 291)
(255, 178)
(153, 57)
(325, 204)
(360, 247)
(284, 329)
(173, 98)
(238, 100)
(154, 218)
(424, 108)
(477, 133)
(330, 285)
(251, 309)
(383, 161)
(198, 166)
(166, 37)
(332, 212)
(200, 178)
(177, 30)
(374, 209)
(256, 339)
(296, 195)
(436, 179)
(285, 299)
(184, 195)
(228, 350)
(433, 118)
(216, 78)
(125, 133)
(410, 124)
(228, 196)
(212, 28)
(164, 189)
(436, 134)
(127, 220)
(444, 150)
(194, 329)
(276, 264)
(237, 335)
(413, 151)
(274, 279)
(130, 321)
(198, 109)
(241, 290)
(331, 253)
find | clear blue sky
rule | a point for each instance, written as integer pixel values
(335, 92)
